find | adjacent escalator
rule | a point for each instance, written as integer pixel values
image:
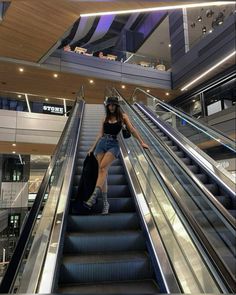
(165, 132)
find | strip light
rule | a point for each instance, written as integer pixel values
(150, 9)
(208, 71)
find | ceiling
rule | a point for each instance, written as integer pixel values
(38, 81)
(27, 148)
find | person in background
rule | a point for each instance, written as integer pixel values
(106, 148)
(67, 48)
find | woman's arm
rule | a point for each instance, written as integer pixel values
(133, 131)
(100, 134)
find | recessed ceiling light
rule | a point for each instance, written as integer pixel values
(193, 100)
(46, 99)
(148, 90)
(13, 152)
(19, 95)
(159, 8)
(209, 70)
(91, 81)
(21, 69)
(13, 144)
(169, 45)
(167, 93)
(210, 31)
(55, 75)
(123, 86)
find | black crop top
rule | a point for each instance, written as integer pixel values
(112, 128)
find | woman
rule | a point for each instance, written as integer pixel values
(107, 148)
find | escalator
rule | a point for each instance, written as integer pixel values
(105, 254)
(164, 131)
(145, 245)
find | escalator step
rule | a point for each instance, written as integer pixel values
(114, 191)
(193, 168)
(123, 287)
(225, 201)
(104, 242)
(117, 205)
(187, 161)
(98, 223)
(111, 180)
(174, 148)
(105, 267)
(180, 154)
(116, 162)
(212, 188)
(202, 177)
(113, 170)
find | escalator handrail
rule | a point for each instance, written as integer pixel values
(176, 136)
(48, 271)
(216, 260)
(12, 269)
(226, 215)
(210, 131)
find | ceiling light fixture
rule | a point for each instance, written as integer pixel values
(13, 152)
(209, 70)
(148, 90)
(21, 70)
(204, 29)
(123, 86)
(199, 19)
(150, 9)
(91, 81)
(19, 95)
(55, 75)
(13, 144)
(167, 93)
(169, 45)
(46, 99)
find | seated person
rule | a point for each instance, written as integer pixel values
(67, 48)
(100, 55)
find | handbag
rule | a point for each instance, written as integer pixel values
(125, 132)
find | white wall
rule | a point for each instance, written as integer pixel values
(30, 127)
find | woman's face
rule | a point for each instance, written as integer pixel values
(112, 108)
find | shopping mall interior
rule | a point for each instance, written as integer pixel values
(154, 210)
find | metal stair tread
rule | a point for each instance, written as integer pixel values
(104, 233)
(122, 287)
(102, 258)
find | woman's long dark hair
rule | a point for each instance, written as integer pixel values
(118, 114)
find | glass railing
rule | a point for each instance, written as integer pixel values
(184, 252)
(186, 202)
(143, 60)
(38, 224)
(207, 139)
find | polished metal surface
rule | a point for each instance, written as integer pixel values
(187, 263)
(204, 160)
(170, 281)
(46, 283)
(46, 240)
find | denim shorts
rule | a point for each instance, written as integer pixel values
(107, 144)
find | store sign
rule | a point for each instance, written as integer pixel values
(53, 109)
